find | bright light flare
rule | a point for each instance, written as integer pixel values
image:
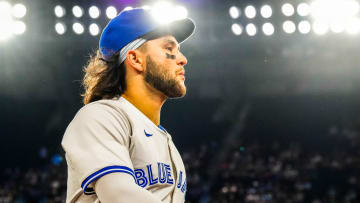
(59, 11)
(268, 29)
(60, 28)
(288, 9)
(111, 12)
(5, 10)
(320, 27)
(78, 28)
(5, 29)
(94, 12)
(289, 27)
(334, 9)
(353, 26)
(18, 27)
(94, 29)
(237, 29)
(19, 11)
(77, 11)
(266, 11)
(251, 29)
(165, 12)
(337, 26)
(234, 12)
(250, 12)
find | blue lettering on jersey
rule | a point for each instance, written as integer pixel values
(168, 174)
(141, 180)
(164, 176)
(162, 173)
(150, 174)
(180, 180)
(183, 188)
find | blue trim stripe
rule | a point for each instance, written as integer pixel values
(102, 172)
(162, 128)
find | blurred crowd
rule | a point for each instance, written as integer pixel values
(249, 170)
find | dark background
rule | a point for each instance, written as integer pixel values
(296, 87)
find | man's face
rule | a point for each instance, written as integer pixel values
(165, 66)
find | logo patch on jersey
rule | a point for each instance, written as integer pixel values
(147, 134)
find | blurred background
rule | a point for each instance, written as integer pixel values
(272, 112)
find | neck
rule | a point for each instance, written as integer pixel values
(149, 103)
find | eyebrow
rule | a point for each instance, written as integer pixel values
(173, 43)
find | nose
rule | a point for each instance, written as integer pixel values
(182, 61)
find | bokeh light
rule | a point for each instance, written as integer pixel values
(251, 29)
(289, 27)
(78, 28)
(303, 9)
(237, 29)
(111, 12)
(19, 11)
(94, 12)
(268, 29)
(94, 29)
(234, 12)
(288, 9)
(266, 11)
(250, 12)
(59, 11)
(304, 27)
(60, 28)
(77, 11)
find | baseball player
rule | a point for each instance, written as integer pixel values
(115, 147)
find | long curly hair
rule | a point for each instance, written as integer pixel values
(103, 79)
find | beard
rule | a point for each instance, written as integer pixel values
(157, 77)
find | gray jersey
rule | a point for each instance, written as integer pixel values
(109, 136)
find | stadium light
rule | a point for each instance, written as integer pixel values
(164, 12)
(59, 11)
(5, 9)
(94, 29)
(77, 11)
(18, 27)
(288, 9)
(234, 12)
(78, 28)
(19, 11)
(337, 26)
(251, 29)
(266, 11)
(5, 21)
(353, 26)
(94, 12)
(60, 28)
(303, 9)
(289, 27)
(320, 27)
(236, 28)
(250, 12)
(268, 29)
(111, 12)
(304, 27)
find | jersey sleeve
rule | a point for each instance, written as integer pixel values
(96, 143)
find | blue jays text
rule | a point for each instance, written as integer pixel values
(163, 176)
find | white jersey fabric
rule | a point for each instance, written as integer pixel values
(113, 136)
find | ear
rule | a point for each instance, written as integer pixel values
(135, 60)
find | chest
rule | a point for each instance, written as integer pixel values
(156, 161)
